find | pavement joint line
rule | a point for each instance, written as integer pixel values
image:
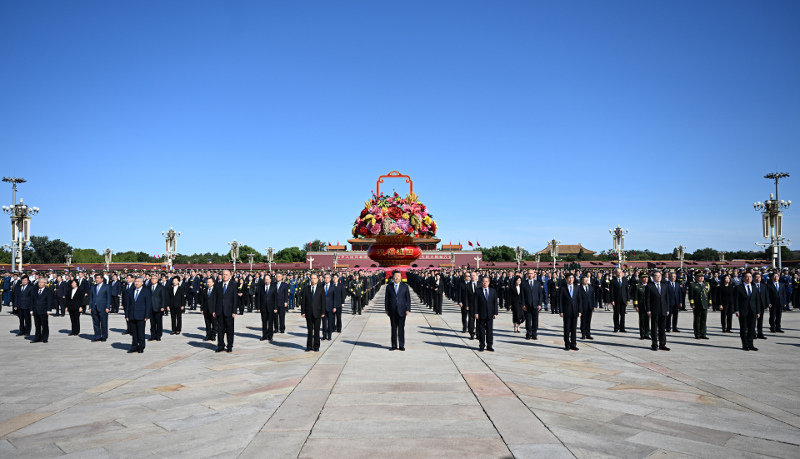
(715, 391)
(454, 333)
(338, 337)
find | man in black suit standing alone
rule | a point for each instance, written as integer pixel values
(42, 302)
(137, 312)
(571, 307)
(589, 301)
(748, 306)
(281, 303)
(485, 308)
(656, 303)
(313, 310)
(468, 302)
(330, 307)
(398, 306)
(227, 304)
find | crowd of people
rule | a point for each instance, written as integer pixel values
(657, 298)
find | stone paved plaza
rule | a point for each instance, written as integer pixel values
(441, 398)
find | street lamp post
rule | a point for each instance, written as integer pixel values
(554, 251)
(20, 223)
(618, 235)
(107, 257)
(518, 255)
(772, 220)
(270, 256)
(251, 256)
(234, 252)
(681, 253)
(171, 238)
(13, 181)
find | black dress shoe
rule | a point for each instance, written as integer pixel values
(141, 351)
(392, 348)
(535, 337)
(574, 348)
(527, 337)
(103, 340)
(566, 348)
(462, 331)
(45, 341)
(642, 338)
(655, 348)
(20, 334)
(95, 340)
(126, 333)
(761, 337)
(745, 348)
(219, 349)
(308, 349)
(676, 330)
(663, 348)
(480, 349)
(228, 350)
(263, 339)
(490, 349)
(704, 337)
(753, 348)
(779, 331)
(402, 348)
(131, 351)
(316, 349)
(36, 341)
(590, 337)
(151, 339)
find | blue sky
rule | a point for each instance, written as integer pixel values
(269, 122)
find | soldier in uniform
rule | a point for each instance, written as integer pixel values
(638, 304)
(355, 290)
(292, 290)
(700, 300)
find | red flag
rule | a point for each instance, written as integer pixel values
(479, 244)
(329, 242)
(470, 243)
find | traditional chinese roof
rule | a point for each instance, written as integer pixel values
(564, 250)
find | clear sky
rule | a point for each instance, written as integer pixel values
(519, 121)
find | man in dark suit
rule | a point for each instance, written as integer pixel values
(225, 313)
(137, 311)
(776, 293)
(761, 289)
(116, 291)
(748, 306)
(158, 301)
(619, 300)
(589, 302)
(341, 293)
(266, 299)
(485, 309)
(312, 309)
(571, 306)
(656, 303)
(42, 302)
(397, 304)
(330, 306)
(282, 303)
(469, 287)
(100, 306)
(676, 298)
(61, 295)
(22, 305)
(207, 298)
(532, 297)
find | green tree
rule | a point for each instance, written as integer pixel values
(707, 254)
(497, 253)
(244, 249)
(289, 255)
(315, 246)
(42, 250)
(131, 257)
(86, 256)
(5, 256)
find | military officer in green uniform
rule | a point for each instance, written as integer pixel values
(700, 300)
(638, 304)
(356, 290)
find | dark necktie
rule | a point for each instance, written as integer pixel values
(748, 290)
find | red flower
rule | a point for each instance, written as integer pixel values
(364, 212)
(363, 230)
(395, 213)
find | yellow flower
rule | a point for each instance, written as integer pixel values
(405, 216)
(398, 231)
(427, 220)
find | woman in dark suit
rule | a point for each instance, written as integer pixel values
(176, 301)
(438, 291)
(606, 286)
(74, 297)
(724, 299)
(516, 300)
